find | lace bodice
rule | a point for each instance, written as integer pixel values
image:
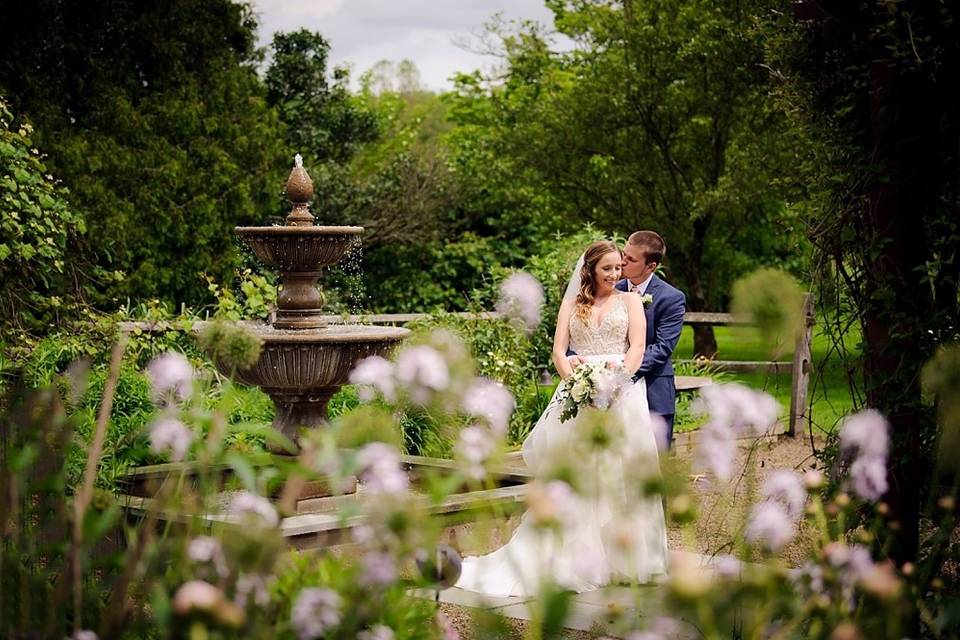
(609, 337)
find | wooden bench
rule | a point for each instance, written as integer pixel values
(692, 383)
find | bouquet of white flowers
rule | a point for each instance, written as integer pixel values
(592, 384)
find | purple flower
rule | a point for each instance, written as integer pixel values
(246, 504)
(865, 434)
(811, 576)
(379, 568)
(787, 488)
(372, 375)
(252, 588)
(423, 371)
(521, 299)
(196, 595)
(314, 613)
(490, 400)
(83, 634)
(170, 436)
(379, 632)
(740, 408)
(770, 525)
(447, 630)
(716, 448)
(363, 534)
(171, 377)
(660, 629)
(727, 566)
(473, 447)
(853, 561)
(207, 550)
(868, 477)
(553, 503)
(379, 469)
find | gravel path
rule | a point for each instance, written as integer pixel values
(722, 509)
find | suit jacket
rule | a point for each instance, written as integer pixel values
(664, 322)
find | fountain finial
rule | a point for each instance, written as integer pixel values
(299, 191)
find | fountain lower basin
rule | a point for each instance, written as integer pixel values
(301, 370)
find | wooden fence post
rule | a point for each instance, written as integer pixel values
(800, 378)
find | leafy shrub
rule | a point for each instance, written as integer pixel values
(36, 226)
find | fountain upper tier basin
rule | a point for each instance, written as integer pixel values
(299, 248)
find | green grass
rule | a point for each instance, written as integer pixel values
(829, 389)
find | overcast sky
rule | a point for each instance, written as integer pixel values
(363, 32)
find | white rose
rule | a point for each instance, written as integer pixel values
(580, 390)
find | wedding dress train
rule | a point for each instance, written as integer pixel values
(612, 533)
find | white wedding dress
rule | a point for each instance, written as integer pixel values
(614, 533)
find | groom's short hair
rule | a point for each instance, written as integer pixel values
(652, 245)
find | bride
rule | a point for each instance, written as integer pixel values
(611, 529)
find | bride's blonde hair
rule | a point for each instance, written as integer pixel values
(588, 284)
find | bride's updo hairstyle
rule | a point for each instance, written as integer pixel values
(588, 281)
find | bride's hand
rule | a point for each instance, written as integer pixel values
(575, 361)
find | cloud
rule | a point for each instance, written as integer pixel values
(363, 32)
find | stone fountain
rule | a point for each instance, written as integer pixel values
(304, 361)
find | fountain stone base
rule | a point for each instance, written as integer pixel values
(296, 409)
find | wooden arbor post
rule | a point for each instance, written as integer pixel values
(800, 378)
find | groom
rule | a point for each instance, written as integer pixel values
(664, 307)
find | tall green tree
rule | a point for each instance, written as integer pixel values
(154, 117)
(657, 119)
(323, 121)
(872, 83)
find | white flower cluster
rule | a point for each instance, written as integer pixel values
(252, 508)
(735, 411)
(380, 471)
(171, 382)
(864, 437)
(591, 384)
(493, 404)
(421, 371)
(521, 300)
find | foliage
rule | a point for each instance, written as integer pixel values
(257, 297)
(36, 227)
(867, 84)
(166, 142)
(771, 301)
(656, 120)
(323, 121)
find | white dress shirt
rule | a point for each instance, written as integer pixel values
(640, 288)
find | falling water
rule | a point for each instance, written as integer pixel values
(355, 286)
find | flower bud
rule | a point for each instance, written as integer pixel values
(846, 631)
(842, 499)
(688, 581)
(881, 582)
(813, 480)
(196, 596)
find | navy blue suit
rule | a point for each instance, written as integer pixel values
(664, 322)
